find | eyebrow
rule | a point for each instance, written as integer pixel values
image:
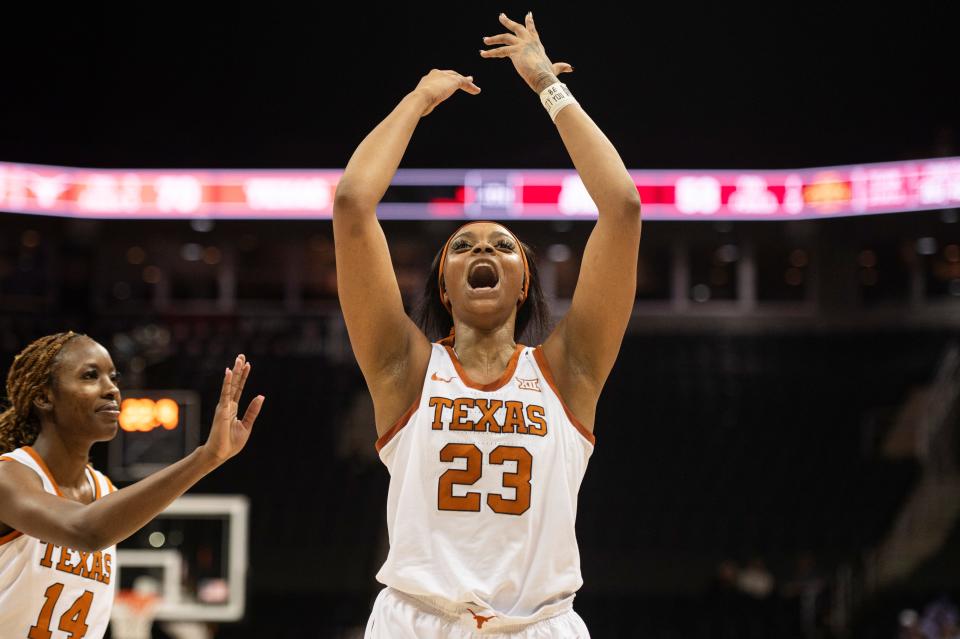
(473, 235)
(95, 365)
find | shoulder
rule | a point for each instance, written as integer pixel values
(16, 477)
(570, 381)
(394, 393)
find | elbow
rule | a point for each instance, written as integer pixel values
(93, 542)
(348, 198)
(87, 536)
(630, 206)
(622, 208)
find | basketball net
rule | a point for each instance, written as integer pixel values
(133, 614)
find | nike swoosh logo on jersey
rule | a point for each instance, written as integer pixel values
(445, 380)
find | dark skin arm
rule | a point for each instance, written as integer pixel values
(391, 350)
(26, 507)
(584, 345)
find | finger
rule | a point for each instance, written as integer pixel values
(237, 370)
(244, 373)
(562, 67)
(464, 82)
(227, 384)
(252, 411)
(528, 21)
(468, 86)
(501, 38)
(499, 52)
(516, 27)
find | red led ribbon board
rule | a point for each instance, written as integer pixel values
(420, 194)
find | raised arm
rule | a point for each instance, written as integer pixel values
(26, 507)
(391, 350)
(583, 347)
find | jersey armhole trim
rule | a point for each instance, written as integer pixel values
(541, 358)
(397, 426)
(96, 482)
(13, 534)
(43, 467)
(10, 537)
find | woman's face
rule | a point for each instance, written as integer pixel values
(84, 398)
(483, 274)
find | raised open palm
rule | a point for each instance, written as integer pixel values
(229, 435)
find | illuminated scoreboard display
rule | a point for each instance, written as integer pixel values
(422, 194)
(156, 429)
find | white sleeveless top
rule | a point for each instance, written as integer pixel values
(483, 490)
(50, 591)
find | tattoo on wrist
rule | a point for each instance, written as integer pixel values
(544, 78)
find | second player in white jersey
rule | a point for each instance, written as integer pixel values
(483, 491)
(52, 591)
(60, 520)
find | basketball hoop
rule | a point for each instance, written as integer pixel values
(133, 614)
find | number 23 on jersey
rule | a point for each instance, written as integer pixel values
(470, 502)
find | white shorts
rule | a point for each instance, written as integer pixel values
(399, 616)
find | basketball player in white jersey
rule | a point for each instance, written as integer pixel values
(60, 519)
(486, 440)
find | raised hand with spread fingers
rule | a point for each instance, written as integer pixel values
(229, 435)
(522, 45)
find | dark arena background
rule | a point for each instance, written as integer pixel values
(777, 450)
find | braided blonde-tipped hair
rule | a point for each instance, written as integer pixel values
(31, 372)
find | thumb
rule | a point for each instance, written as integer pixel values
(562, 67)
(467, 84)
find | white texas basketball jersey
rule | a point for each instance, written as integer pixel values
(483, 490)
(48, 591)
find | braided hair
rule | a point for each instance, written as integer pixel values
(31, 372)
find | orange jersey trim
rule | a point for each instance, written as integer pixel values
(397, 426)
(43, 466)
(496, 384)
(10, 537)
(13, 534)
(548, 374)
(96, 483)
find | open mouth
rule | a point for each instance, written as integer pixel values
(483, 275)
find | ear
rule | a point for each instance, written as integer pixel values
(43, 402)
(444, 299)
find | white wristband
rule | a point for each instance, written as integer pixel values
(555, 97)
